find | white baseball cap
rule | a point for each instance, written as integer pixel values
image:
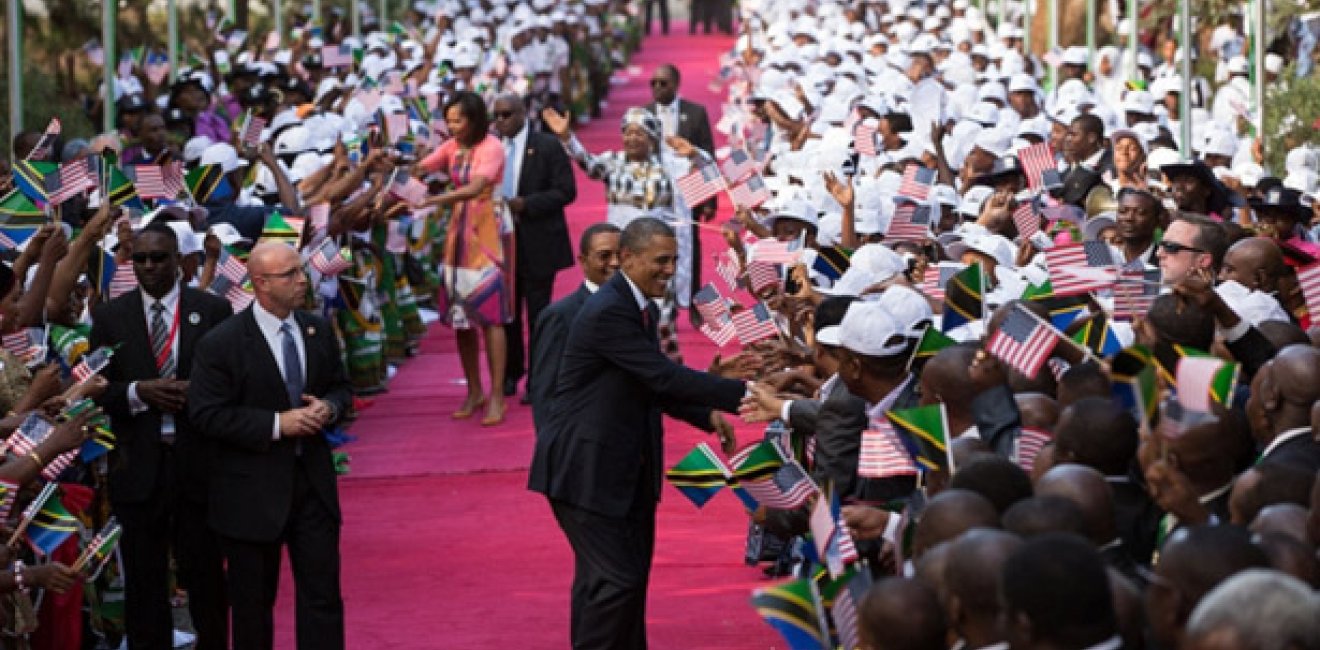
(868, 329)
(223, 154)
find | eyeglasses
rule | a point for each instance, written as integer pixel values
(293, 272)
(1173, 248)
(502, 115)
(157, 257)
(659, 82)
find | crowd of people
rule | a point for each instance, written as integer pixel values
(198, 303)
(1040, 373)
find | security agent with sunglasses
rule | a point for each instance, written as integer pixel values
(538, 184)
(159, 468)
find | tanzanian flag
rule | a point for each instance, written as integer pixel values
(17, 206)
(12, 237)
(963, 302)
(101, 443)
(932, 341)
(35, 178)
(757, 462)
(832, 261)
(924, 432)
(1098, 335)
(278, 229)
(794, 611)
(1135, 382)
(121, 190)
(1063, 309)
(207, 183)
(699, 475)
(50, 527)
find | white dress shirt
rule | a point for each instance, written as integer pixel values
(171, 303)
(519, 144)
(269, 325)
(669, 116)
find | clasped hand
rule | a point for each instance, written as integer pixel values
(307, 420)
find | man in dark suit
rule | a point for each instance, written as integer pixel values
(1089, 159)
(538, 183)
(1282, 396)
(599, 258)
(265, 384)
(687, 120)
(159, 467)
(601, 453)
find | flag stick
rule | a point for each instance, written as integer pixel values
(1085, 350)
(33, 508)
(14, 34)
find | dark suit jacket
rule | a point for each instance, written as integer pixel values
(135, 460)
(235, 393)
(546, 185)
(548, 339)
(693, 126)
(1301, 452)
(602, 448)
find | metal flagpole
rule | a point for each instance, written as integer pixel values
(1054, 41)
(14, 32)
(109, 10)
(277, 8)
(382, 21)
(1185, 105)
(355, 20)
(1134, 18)
(1090, 31)
(172, 18)
(1258, 42)
(316, 12)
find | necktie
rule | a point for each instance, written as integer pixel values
(650, 318)
(507, 187)
(160, 341)
(293, 373)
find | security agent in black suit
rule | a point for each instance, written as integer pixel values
(687, 120)
(265, 384)
(599, 258)
(158, 470)
(600, 456)
(1282, 396)
(536, 193)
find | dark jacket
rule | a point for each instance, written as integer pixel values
(546, 186)
(548, 340)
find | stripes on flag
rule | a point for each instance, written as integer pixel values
(1028, 446)
(1023, 341)
(45, 146)
(789, 487)
(1205, 381)
(1077, 269)
(750, 193)
(911, 222)
(330, 260)
(864, 137)
(407, 188)
(762, 276)
(1309, 280)
(773, 251)
(728, 268)
(76, 177)
(702, 183)
(157, 181)
(937, 277)
(755, 324)
(916, 183)
(1035, 160)
(847, 604)
(336, 56)
(739, 165)
(1026, 220)
(253, 125)
(91, 364)
(123, 281)
(882, 455)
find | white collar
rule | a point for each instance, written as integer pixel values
(521, 135)
(1094, 159)
(1215, 493)
(270, 323)
(1284, 437)
(1112, 643)
(592, 287)
(170, 300)
(887, 402)
(637, 293)
(828, 386)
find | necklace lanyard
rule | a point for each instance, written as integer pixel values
(169, 341)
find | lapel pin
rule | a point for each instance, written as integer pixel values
(311, 330)
(194, 318)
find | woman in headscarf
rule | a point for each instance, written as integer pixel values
(639, 182)
(1109, 79)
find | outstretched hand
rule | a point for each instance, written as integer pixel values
(556, 122)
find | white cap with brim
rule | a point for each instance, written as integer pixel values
(869, 330)
(910, 309)
(997, 247)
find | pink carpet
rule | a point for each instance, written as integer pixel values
(444, 547)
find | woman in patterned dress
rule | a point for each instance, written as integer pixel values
(639, 182)
(476, 272)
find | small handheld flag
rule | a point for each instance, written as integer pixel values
(739, 165)
(702, 183)
(91, 364)
(911, 222)
(916, 183)
(1035, 160)
(1308, 279)
(1023, 341)
(750, 193)
(50, 526)
(924, 431)
(755, 324)
(793, 609)
(1205, 381)
(882, 455)
(98, 551)
(330, 260)
(1077, 269)
(963, 301)
(700, 475)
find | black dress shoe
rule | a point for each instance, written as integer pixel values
(526, 399)
(510, 387)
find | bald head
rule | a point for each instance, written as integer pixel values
(1093, 432)
(971, 572)
(277, 278)
(950, 514)
(1287, 519)
(1284, 391)
(1255, 263)
(267, 256)
(1297, 369)
(1044, 514)
(946, 379)
(902, 614)
(1086, 488)
(1038, 410)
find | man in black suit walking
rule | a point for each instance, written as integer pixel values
(159, 466)
(598, 255)
(600, 455)
(538, 183)
(687, 120)
(265, 385)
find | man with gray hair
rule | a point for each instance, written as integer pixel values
(1258, 609)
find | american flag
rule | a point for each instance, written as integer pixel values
(832, 542)
(1035, 160)
(739, 165)
(721, 335)
(773, 251)
(864, 137)
(329, 259)
(8, 496)
(336, 56)
(750, 193)
(408, 189)
(123, 281)
(702, 183)
(157, 181)
(1134, 293)
(727, 267)
(57, 465)
(92, 363)
(937, 277)
(238, 298)
(76, 177)
(43, 150)
(911, 222)
(789, 487)
(755, 324)
(231, 268)
(916, 183)
(319, 215)
(32, 432)
(882, 455)
(846, 605)
(762, 276)
(1076, 269)
(710, 304)
(1023, 341)
(1026, 219)
(1309, 279)
(24, 344)
(252, 127)
(1028, 446)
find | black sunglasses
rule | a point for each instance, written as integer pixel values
(157, 257)
(1173, 248)
(502, 115)
(659, 82)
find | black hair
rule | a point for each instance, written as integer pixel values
(638, 234)
(1044, 514)
(473, 108)
(1278, 483)
(1086, 380)
(1099, 435)
(159, 227)
(994, 477)
(1058, 581)
(673, 70)
(830, 311)
(595, 229)
(1091, 124)
(1182, 322)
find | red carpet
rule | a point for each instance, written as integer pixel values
(444, 547)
